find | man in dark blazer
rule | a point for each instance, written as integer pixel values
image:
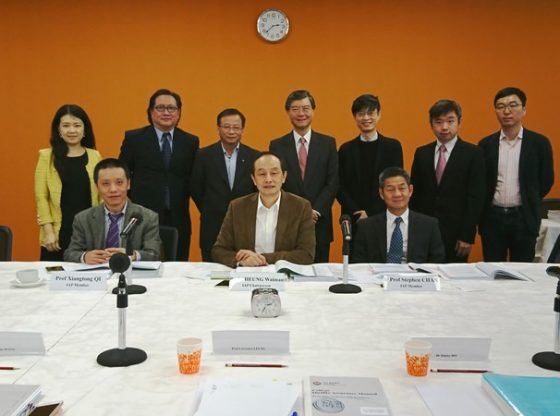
(419, 239)
(448, 179)
(519, 174)
(161, 157)
(361, 160)
(91, 242)
(222, 172)
(266, 226)
(312, 165)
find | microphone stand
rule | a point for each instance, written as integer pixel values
(130, 289)
(345, 287)
(122, 356)
(551, 359)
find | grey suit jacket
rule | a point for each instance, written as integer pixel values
(424, 240)
(295, 231)
(88, 232)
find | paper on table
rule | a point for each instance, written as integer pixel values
(256, 398)
(457, 400)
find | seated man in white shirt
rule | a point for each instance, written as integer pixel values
(398, 235)
(266, 226)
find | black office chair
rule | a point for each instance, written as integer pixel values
(6, 238)
(549, 204)
(169, 241)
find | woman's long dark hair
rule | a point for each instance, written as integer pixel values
(59, 146)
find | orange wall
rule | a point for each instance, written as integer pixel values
(109, 56)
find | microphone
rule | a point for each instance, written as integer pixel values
(135, 220)
(346, 224)
(119, 263)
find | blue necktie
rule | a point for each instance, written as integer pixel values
(113, 233)
(395, 253)
(166, 155)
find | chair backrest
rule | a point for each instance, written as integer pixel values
(169, 240)
(549, 204)
(6, 238)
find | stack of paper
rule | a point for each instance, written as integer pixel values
(18, 399)
(481, 271)
(249, 398)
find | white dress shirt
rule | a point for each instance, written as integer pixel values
(265, 228)
(507, 186)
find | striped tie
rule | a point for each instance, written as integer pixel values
(113, 233)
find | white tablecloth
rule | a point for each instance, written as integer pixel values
(337, 335)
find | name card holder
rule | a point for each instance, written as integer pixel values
(411, 282)
(73, 280)
(253, 280)
(251, 342)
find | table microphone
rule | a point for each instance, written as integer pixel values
(345, 287)
(551, 359)
(135, 220)
(122, 356)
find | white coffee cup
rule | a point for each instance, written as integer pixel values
(27, 276)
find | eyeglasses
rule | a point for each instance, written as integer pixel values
(511, 106)
(363, 114)
(171, 109)
(234, 128)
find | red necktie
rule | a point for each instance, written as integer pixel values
(440, 167)
(302, 156)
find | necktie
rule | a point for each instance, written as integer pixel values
(395, 253)
(113, 233)
(440, 167)
(302, 156)
(166, 155)
(166, 149)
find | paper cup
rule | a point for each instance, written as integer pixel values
(27, 276)
(417, 357)
(189, 352)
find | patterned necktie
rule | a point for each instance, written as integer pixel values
(302, 156)
(113, 233)
(166, 149)
(440, 167)
(395, 253)
(166, 155)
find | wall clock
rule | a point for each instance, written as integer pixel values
(273, 25)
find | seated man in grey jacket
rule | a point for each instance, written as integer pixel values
(96, 233)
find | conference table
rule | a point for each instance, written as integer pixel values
(358, 335)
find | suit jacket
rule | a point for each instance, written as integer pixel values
(210, 187)
(458, 200)
(48, 189)
(424, 240)
(321, 177)
(295, 237)
(88, 232)
(389, 153)
(536, 175)
(140, 151)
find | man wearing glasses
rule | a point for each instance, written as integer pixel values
(160, 158)
(221, 173)
(519, 173)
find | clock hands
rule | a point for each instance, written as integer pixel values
(268, 30)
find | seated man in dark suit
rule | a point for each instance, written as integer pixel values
(96, 231)
(266, 226)
(398, 235)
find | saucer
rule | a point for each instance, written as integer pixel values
(17, 283)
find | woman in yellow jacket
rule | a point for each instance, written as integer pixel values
(64, 179)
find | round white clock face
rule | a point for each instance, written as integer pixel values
(273, 25)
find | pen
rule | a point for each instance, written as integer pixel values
(450, 370)
(9, 368)
(255, 365)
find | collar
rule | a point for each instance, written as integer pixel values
(448, 146)
(306, 136)
(159, 133)
(123, 211)
(374, 138)
(391, 217)
(276, 205)
(519, 135)
(226, 154)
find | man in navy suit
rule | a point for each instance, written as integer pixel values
(221, 173)
(398, 235)
(519, 174)
(312, 165)
(448, 180)
(160, 158)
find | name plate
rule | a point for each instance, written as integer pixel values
(249, 281)
(448, 352)
(251, 342)
(21, 343)
(79, 280)
(411, 282)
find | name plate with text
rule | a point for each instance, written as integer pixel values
(22, 343)
(79, 280)
(448, 352)
(411, 282)
(249, 281)
(251, 342)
